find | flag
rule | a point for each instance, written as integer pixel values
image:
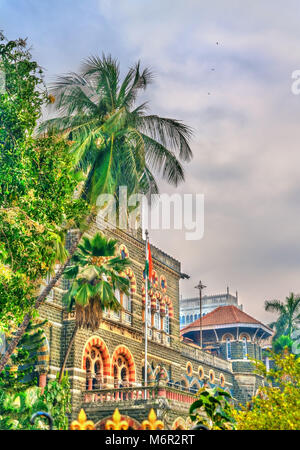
(149, 265)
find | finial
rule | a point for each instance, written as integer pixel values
(152, 423)
(81, 423)
(116, 423)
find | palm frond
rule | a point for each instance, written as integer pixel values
(105, 74)
(171, 133)
(162, 160)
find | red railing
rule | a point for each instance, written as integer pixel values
(138, 393)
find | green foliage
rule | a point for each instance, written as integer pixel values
(212, 409)
(280, 344)
(115, 142)
(95, 271)
(16, 408)
(277, 405)
(295, 336)
(37, 184)
(18, 374)
(289, 315)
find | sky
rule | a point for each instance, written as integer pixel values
(224, 68)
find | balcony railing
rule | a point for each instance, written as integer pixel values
(138, 393)
(205, 357)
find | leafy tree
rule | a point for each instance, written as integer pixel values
(18, 374)
(289, 315)
(16, 408)
(212, 409)
(281, 344)
(277, 405)
(37, 203)
(96, 273)
(115, 142)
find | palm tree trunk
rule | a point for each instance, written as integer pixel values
(62, 369)
(41, 298)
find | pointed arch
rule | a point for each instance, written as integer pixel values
(179, 424)
(130, 274)
(150, 374)
(168, 302)
(122, 350)
(97, 342)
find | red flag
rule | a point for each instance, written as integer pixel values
(150, 271)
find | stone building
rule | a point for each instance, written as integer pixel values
(106, 367)
(190, 307)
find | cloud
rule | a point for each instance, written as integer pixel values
(225, 69)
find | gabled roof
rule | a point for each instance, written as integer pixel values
(223, 315)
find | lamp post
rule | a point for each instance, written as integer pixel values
(200, 287)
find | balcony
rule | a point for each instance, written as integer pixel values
(137, 395)
(204, 357)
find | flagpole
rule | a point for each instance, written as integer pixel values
(146, 315)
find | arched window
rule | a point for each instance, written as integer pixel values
(167, 321)
(121, 372)
(157, 315)
(127, 305)
(195, 317)
(244, 340)
(228, 348)
(94, 369)
(183, 320)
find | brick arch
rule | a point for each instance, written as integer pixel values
(122, 350)
(185, 381)
(168, 302)
(227, 335)
(128, 272)
(245, 335)
(179, 424)
(151, 295)
(161, 373)
(96, 341)
(222, 380)
(195, 382)
(123, 248)
(150, 372)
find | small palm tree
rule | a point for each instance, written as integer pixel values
(115, 142)
(95, 271)
(289, 315)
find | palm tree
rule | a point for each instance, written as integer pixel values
(289, 315)
(115, 142)
(95, 271)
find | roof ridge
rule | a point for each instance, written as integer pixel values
(234, 313)
(216, 315)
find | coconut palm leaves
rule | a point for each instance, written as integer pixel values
(95, 271)
(115, 142)
(96, 276)
(289, 315)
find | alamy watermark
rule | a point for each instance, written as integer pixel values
(161, 212)
(295, 87)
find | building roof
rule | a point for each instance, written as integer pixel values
(223, 315)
